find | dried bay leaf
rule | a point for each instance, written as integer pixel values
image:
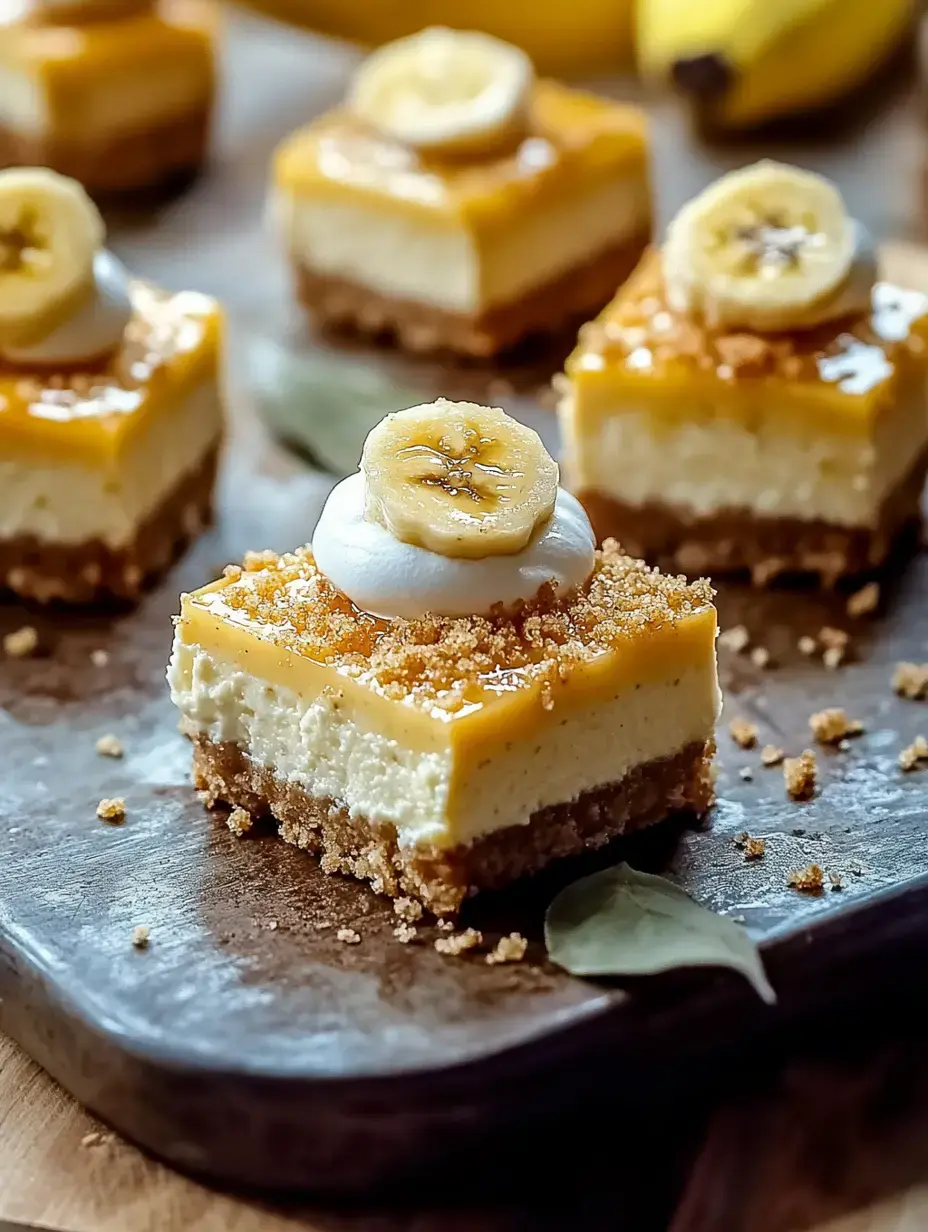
(621, 922)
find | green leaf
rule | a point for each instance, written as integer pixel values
(621, 922)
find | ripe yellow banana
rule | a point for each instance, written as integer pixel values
(746, 61)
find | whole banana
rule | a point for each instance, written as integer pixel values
(743, 62)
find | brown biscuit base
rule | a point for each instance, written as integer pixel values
(92, 572)
(736, 541)
(442, 879)
(577, 294)
(130, 162)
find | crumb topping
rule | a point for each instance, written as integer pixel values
(459, 943)
(799, 775)
(510, 949)
(831, 725)
(911, 680)
(405, 933)
(446, 662)
(348, 936)
(240, 821)
(408, 910)
(743, 732)
(809, 879)
(641, 331)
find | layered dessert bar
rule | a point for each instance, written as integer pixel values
(753, 399)
(450, 689)
(456, 202)
(116, 93)
(110, 415)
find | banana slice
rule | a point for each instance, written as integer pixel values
(79, 12)
(50, 232)
(759, 249)
(458, 92)
(458, 479)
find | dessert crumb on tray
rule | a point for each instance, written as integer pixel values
(799, 774)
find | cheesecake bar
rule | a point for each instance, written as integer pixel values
(469, 251)
(118, 98)
(439, 755)
(719, 447)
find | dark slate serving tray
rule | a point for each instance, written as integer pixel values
(248, 1044)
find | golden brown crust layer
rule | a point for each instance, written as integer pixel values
(738, 542)
(147, 158)
(441, 880)
(92, 572)
(579, 293)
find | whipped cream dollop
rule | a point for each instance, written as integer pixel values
(93, 330)
(389, 578)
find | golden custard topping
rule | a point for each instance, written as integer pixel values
(171, 344)
(433, 680)
(847, 370)
(574, 140)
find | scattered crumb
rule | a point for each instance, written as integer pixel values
(240, 821)
(508, 949)
(207, 799)
(271, 926)
(743, 733)
(140, 936)
(833, 639)
(833, 657)
(349, 936)
(408, 910)
(809, 879)
(97, 1138)
(405, 933)
(770, 755)
(760, 657)
(865, 600)
(799, 775)
(836, 882)
(911, 680)
(914, 753)
(746, 773)
(113, 810)
(99, 658)
(753, 848)
(735, 639)
(459, 943)
(21, 642)
(445, 926)
(831, 725)
(807, 645)
(110, 746)
(843, 745)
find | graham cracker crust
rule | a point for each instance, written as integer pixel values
(577, 294)
(143, 159)
(442, 879)
(92, 572)
(737, 542)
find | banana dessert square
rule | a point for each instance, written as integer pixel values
(450, 688)
(116, 93)
(454, 202)
(110, 410)
(753, 400)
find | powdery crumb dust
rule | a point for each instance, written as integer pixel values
(809, 879)
(770, 755)
(408, 910)
(911, 680)
(913, 754)
(348, 936)
(743, 733)
(799, 776)
(831, 725)
(735, 639)
(141, 935)
(240, 821)
(865, 600)
(405, 933)
(110, 746)
(21, 642)
(112, 809)
(510, 949)
(459, 943)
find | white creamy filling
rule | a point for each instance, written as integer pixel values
(330, 755)
(412, 258)
(110, 103)
(70, 502)
(711, 462)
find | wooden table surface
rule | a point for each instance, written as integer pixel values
(812, 1141)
